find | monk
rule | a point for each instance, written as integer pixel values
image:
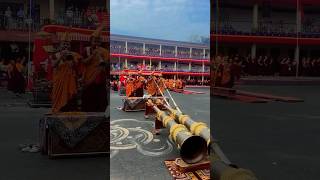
(151, 87)
(161, 85)
(139, 86)
(122, 83)
(16, 82)
(130, 87)
(95, 94)
(171, 84)
(178, 84)
(154, 84)
(65, 79)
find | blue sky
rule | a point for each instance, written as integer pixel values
(178, 20)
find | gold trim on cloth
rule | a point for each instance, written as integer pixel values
(73, 120)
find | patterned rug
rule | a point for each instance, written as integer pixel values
(203, 174)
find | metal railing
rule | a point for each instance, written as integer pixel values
(154, 52)
(269, 28)
(22, 24)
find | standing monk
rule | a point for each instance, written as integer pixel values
(130, 87)
(65, 78)
(16, 82)
(94, 95)
(139, 85)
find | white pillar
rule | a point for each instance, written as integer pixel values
(189, 77)
(255, 17)
(189, 66)
(160, 64)
(144, 48)
(253, 51)
(51, 9)
(297, 50)
(175, 66)
(204, 53)
(176, 51)
(296, 57)
(298, 14)
(126, 63)
(126, 46)
(202, 66)
(190, 53)
(160, 49)
(144, 62)
(150, 64)
(119, 61)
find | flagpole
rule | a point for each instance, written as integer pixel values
(29, 50)
(298, 23)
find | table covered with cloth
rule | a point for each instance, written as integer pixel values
(74, 133)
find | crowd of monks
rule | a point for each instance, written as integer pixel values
(225, 73)
(15, 71)
(154, 85)
(272, 66)
(78, 77)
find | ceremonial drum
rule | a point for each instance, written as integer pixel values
(74, 133)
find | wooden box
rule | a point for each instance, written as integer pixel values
(74, 134)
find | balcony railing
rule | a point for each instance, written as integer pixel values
(269, 28)
(22, 24)
(154, 52)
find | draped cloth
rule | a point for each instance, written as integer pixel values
(71, 127)
(94, 95)
(64, 86)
